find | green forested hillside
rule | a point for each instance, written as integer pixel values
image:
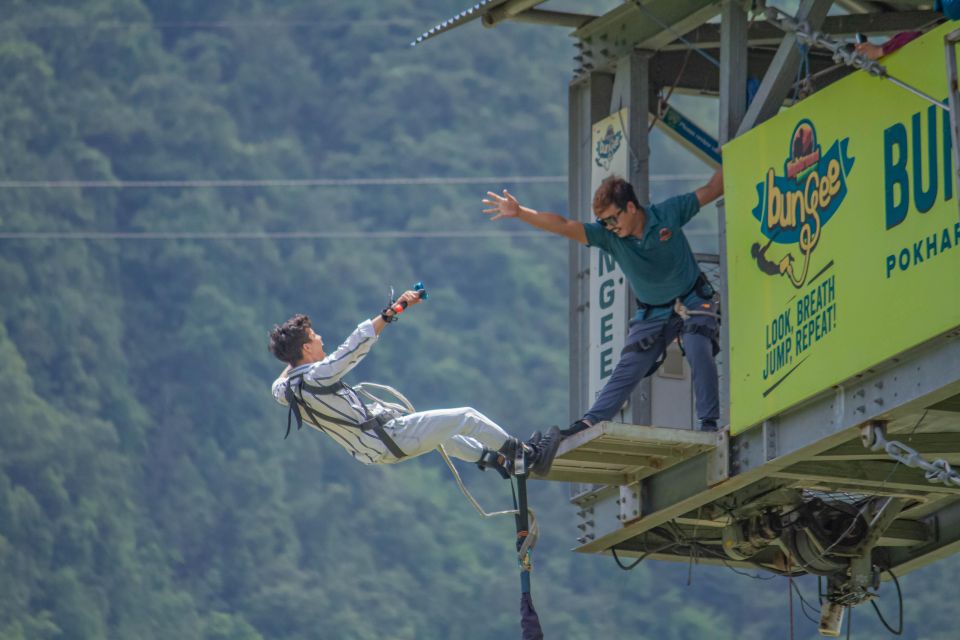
(146, 490)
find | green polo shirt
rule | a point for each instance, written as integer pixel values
(660, 266)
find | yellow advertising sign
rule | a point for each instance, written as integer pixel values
(842, 234)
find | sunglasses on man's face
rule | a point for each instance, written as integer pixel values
(611, 221)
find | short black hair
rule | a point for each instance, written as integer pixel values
(616, 191)
(287, 339)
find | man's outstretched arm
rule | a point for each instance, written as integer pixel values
(712, 190)
(506, 206)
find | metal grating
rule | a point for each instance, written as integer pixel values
(617, 454)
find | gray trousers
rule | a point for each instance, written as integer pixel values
(463, 432)
(647, 341)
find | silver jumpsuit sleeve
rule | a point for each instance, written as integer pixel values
(346, 357)
(278, 391)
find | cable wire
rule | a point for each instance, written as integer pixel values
(259, 235)
(899, 629)
(216, 24)
(709, 58)
(643, 557)
(278, 235)
(804, 605)
(273, 182)
(307, 182)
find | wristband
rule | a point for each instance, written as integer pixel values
(388, 318)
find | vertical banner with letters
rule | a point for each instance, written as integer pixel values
(842, 234)
(608, 288)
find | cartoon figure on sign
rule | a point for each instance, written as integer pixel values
(793, 208)
(607, 147)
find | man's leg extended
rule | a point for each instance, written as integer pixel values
(645, 343)
(468, 435)
(424, 431)
(700, 335)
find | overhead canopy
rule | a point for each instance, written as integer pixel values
(492, 12)
(672, 27)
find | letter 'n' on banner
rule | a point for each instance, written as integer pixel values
(609, 301)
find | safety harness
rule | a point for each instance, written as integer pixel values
(371, 423)
(701, 286)
(705, 290)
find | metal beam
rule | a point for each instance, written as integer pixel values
(732, 82)
(649, 26)
(762, 33)
(733, 71)
(552, 18)
(589, 100)
(936, 445)
(906, 533)
(632, 89)
(887, 474)
(904, 387)
(860, 6)
(616, 459)
(507, 10)
(945, 527)
(780, 76)
(700, 77)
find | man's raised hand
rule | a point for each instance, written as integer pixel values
(505, 206)
(410, 297)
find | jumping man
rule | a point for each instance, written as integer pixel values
(371, 432)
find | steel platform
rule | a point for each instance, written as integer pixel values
(613, 453)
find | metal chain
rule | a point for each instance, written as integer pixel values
(939, 471)
(841, 53)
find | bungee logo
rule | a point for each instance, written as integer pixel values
(607, 147)
(794, 207)
(793, 210)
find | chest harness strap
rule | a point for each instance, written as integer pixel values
(372, 423)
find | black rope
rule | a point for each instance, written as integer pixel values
(643, 557)
(899, 629)
(663, 100)
(804, 604)
(790, 600)
(706, 549)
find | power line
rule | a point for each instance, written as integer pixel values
(257, 235)
(243, 184)
(279, 235)
(305, 182)
(217, 24)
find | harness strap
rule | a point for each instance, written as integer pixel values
(707, 332)
(643, 345)
(373, 423)
(701, 285)
(293, 402)
(293, 409)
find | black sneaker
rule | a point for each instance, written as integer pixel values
(546, 451)
(534, 440)
(708, 425)
(576, 427)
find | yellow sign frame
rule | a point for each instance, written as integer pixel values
(842, 234)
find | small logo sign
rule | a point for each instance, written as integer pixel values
(607, 147)
(665, 234)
